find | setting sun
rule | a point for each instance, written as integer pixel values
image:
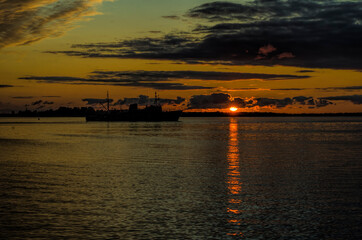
(233, 109)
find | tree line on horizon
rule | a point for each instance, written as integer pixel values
(84, 111)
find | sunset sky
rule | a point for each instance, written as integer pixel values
(291, 56)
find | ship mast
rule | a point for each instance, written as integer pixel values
(107, 102)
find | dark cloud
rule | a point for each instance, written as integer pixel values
(144, 83)
(160, 80)
(224, 100)
(39, 103)
(5, 86)
(23, 97)
(54, 79)
(292, 28)
(215, 100)
(172, 17)
(30, 97)
(36, 102)
(349, 88)
(321, 103)
(302, 99)
(48, 103)
(163, 47)
(289, 89)
(279, 103)
(26, 21)
(220, 11)
(305, 71)
(198, 75)
(309, 33)
(110, 79)
(94, 101)
(356, 99)
(144, 100)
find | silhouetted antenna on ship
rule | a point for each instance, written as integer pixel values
(107, 102)
(155, 102)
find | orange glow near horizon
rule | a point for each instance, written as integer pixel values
(233, 109)
(234, 183)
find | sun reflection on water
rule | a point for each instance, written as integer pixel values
(234, 183)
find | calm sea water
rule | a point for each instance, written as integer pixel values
(200, 178)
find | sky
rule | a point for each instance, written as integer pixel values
(289, 56)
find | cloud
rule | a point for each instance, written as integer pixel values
(94, 101)
(285, 55)
(5, 86)
(172, 17)
(221, 11)
(311, 34)
(224, 100)
(278, 103)
(197, 75)
(144, 100)
(23, 97)
(163, 86)
(160, 80)
(40, 103)
(215, 100)
(265, 50)
(329, 89)
(155, 32)
(48, 103)
(30, 97)
(302, 100)
(321, 103)
(36, 102)
(355, 99)
(347, 88)
(305, 71)
(289, 89)
(157, 84)
(24, 22)
(54, 79)
(247, 89)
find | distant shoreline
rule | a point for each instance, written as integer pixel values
(267, 114)
(193, 114)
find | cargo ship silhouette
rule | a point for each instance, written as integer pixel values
(151, 113)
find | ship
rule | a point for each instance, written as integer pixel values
(151, 113)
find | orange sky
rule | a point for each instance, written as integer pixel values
(160, 47)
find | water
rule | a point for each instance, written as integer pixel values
(200, 178)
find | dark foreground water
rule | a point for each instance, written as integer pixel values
(200, 178)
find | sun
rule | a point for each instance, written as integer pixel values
(233, 109)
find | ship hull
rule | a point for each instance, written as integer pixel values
(137, 116)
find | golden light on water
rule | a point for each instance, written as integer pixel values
(234, 183)
(233, 109)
